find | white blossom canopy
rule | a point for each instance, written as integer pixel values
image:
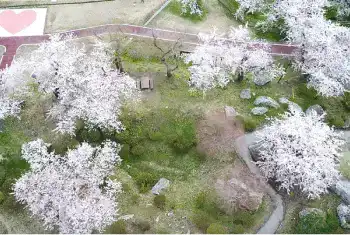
(300, 151)
(214, 62)
(86, 86)
(71, 192)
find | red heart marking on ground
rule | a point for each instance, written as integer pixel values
(14, 23)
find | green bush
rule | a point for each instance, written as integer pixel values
(143, 225)
(346, 100)
(249, 123)
(125, 152)
(159, 201)
(145, 181)
(202, 220)
(138, 150)
(118, 227)
(92, 136)
(244, 218)
(318, 224)
(336, 120)
(61, 145)
(216, 228)
(238, 229)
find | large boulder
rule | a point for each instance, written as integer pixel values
(255, 149)
(307, 211)
(236, 193)
(343, 212)
(315, 108)
(259, 110)
(267, 102)
(245, 94)
(161, 185)
(342, 188)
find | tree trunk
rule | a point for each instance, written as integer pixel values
(240, 76)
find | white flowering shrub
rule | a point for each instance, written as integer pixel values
(214, 62)
(73, 192)
(84, 82)
(300, 152)
(190, 6)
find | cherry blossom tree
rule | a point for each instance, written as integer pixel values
(190, 6)
(324, 51)
(300, 151)
(84, 83)
(71, 192)
(217, 59)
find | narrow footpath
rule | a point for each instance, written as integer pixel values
(13, 43)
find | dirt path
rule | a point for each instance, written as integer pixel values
(272, 224)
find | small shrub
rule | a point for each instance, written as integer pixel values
(249, 123)
(118, 227)
(335, 120)
(346, 100)
(216, 228)
(92, 136)
(317, 224)
(138, 150)
(145, 181)
(61, 145)
(125, 152)
(144, 225)
(159, 201)
(238, 229)
(244, 218)
(202, 220)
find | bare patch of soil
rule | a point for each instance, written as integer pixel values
(216, 135)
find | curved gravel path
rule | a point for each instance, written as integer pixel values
(12, 43)
(272, 224)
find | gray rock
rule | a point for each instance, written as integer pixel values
(261, 81)
(283, 100)
(255, 149)
(342, 188)
(161, 185)
(259, 110)
(230, 112)
(343, 212)
(307, 211)
(245, 94)
(266, 101)
(294, 107)
(317, 108)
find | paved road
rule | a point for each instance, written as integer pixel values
(12, 43)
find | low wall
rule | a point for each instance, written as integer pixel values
(32, 3)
